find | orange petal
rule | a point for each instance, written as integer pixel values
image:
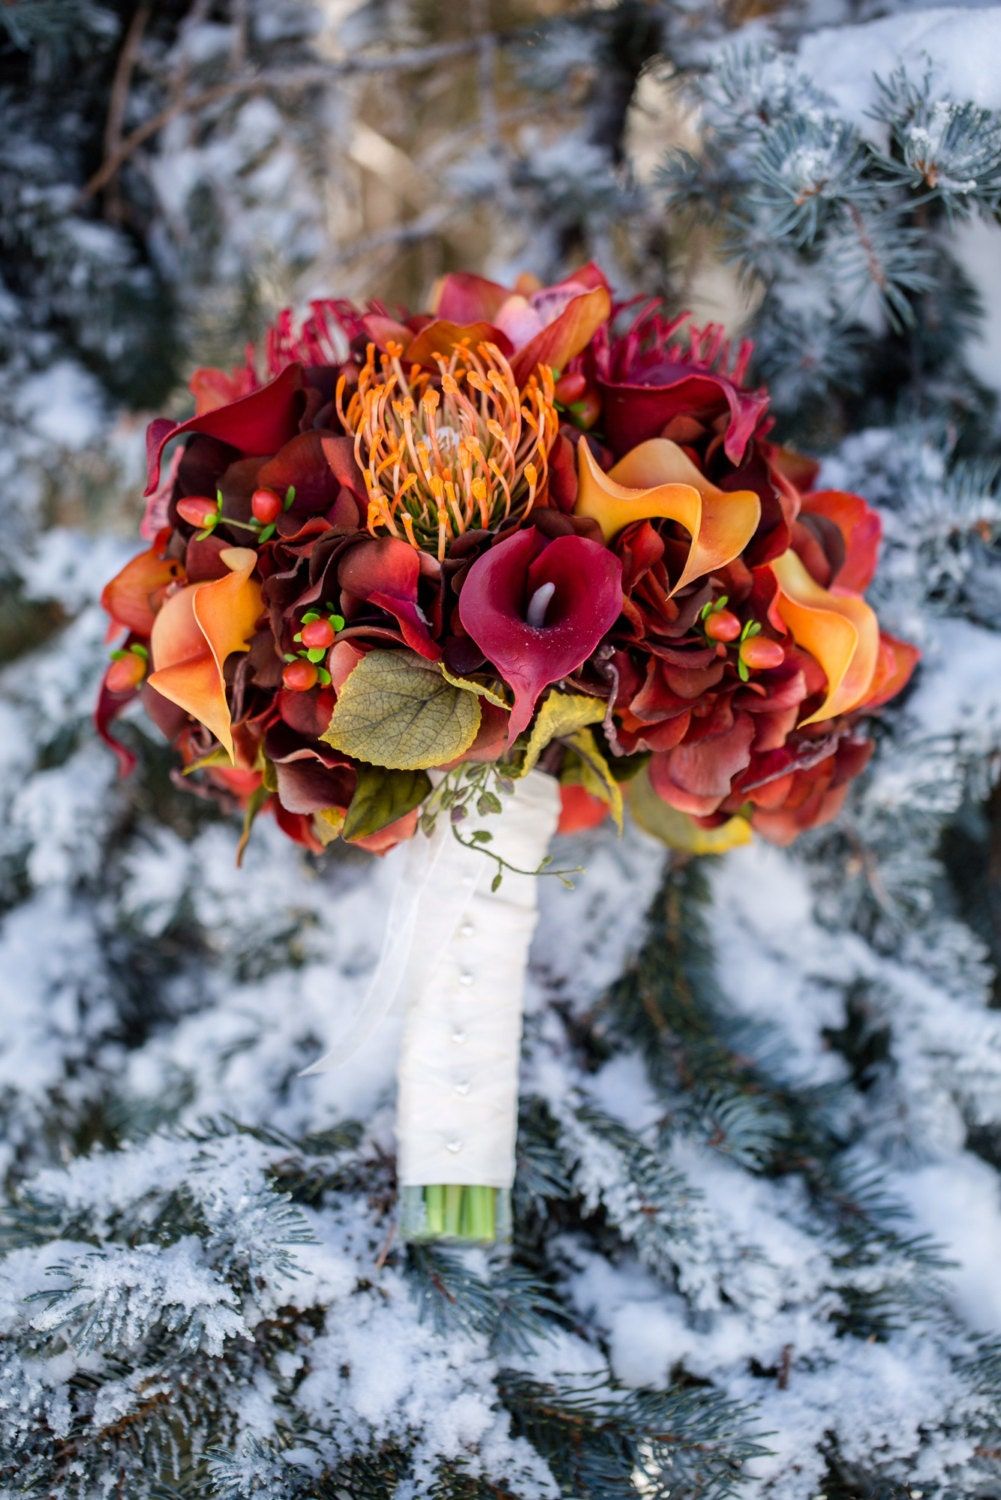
(130, 595)
(441, 337)
(213, 388)
(897, 660)
(838, 629)
(566, 335)
(861, 531)
(194, 633)
(658, 479)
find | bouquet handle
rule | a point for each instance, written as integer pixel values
(464, 985)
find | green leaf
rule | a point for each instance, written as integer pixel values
(395, 712)
(255, 802)
(216, 757)
(560, 714)
(381, 797)
(676, 829)
(468, 685)
(589, 769)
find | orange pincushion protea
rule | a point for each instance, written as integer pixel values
(442, 454)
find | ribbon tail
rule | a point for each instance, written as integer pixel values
(415, 873)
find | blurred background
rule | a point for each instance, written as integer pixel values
(759, 1212)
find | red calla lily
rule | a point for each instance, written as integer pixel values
(538, 608)
(256, 425)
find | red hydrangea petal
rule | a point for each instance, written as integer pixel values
(695, 778)
(386, 572)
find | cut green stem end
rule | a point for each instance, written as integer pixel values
(459, 1214)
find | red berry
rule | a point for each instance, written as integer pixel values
(197, 510)
(586, 411)
(723, 625)
(300, 676)
(760, 653)
(325, 700)
(318, 633)
(125, 674)
(266, 506)
(570, 388)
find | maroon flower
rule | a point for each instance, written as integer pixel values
(659, 371)
(386, 573)
(538, 608)
(256, 425)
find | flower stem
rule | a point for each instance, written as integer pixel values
(472, 1215)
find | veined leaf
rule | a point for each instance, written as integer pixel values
(559, 715)
(469, 686)
(396, 713)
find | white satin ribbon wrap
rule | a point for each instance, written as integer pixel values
(457, 952)
(457, 1113)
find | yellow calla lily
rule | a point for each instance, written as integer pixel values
(658, 479)
(839, 630)
(194, 633)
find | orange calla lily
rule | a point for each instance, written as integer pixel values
(194, 633)
(838, 629)
(132, 596)
(658, 479)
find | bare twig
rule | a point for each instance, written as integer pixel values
(241, 27)
(119, 95)
(275, 80)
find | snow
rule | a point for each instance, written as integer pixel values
(961, 43)
(958, 1202)
(63, 404)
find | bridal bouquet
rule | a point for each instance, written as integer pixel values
(519, 563)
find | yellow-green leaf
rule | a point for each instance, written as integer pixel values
(380, 797)
(255, 802)
(216, 757)
(392, 711)
(469, 685)
(559, 715)
(589, 769)
(327, 824)
(676, 829)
